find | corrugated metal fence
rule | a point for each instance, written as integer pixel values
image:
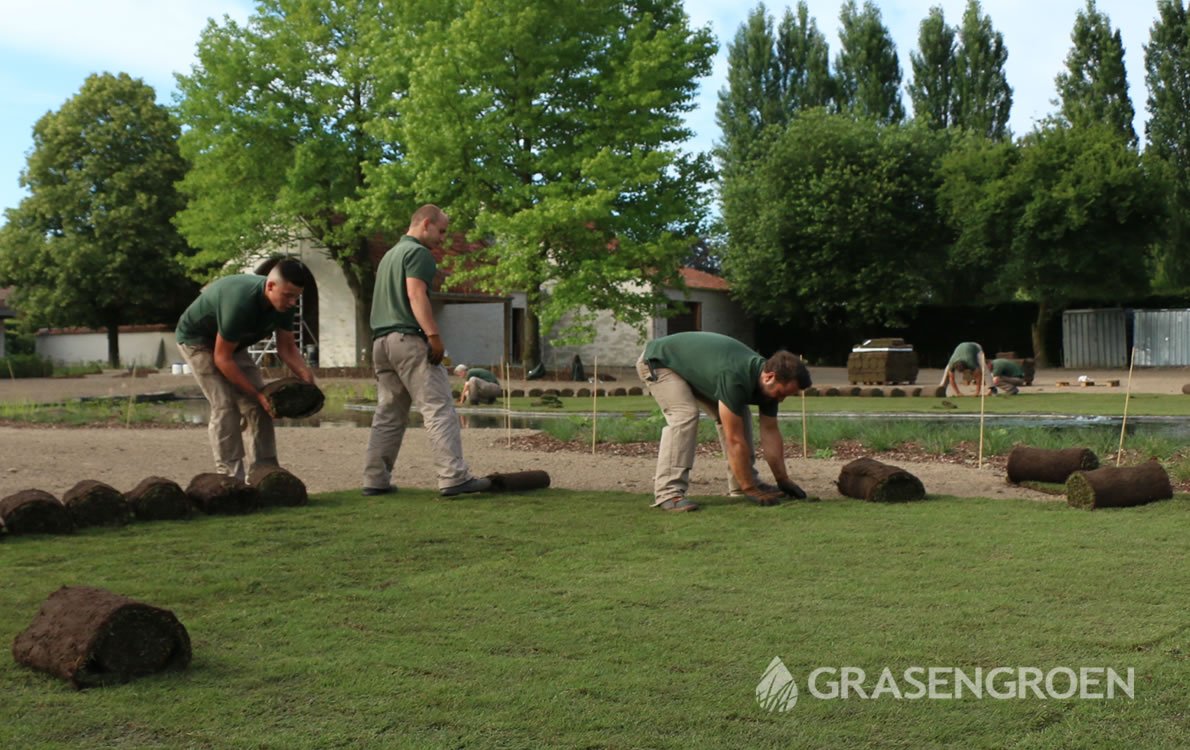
(1095, 338)
(1162, 337)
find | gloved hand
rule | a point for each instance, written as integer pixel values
(791, 489)
(437, 350)
(763, 495)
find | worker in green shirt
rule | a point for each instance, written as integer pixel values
(686, 372)
(967, 357)
(480, 386)
(214, 334)
(1007, 376)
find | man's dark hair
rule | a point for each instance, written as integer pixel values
(294, 271)
(788, 368)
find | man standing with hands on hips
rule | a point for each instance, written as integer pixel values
(407, 353)
(688, 371)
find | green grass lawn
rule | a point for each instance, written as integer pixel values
(573, 619)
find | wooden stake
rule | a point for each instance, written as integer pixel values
(1124, 421)
(982, 399)
(595, 405)
(805, 446)
(128, 419)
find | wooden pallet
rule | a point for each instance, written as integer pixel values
(1087, 383)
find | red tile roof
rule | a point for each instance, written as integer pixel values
(696, 279)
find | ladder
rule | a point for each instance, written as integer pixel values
(301, 332)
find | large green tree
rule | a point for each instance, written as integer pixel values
(867, 74)
(933, 63)
(771, 74)
(1167, 72)
(1069, 217)
(836, 221)
(982, 96)
(279, 114)
(93, 244)
(1094, 87)
(555, 129)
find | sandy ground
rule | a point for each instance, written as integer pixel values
(330, 458)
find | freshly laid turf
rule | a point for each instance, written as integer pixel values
(568, 619)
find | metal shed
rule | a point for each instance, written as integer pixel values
(1095, 338)
(1162, 337)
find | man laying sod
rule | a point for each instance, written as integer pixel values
(688, 371)
(967, 356)
(214, 334)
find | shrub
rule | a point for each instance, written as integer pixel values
(25, 366)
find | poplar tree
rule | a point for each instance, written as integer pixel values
(982, 96)
(1167, 73)
(867, 73)
(1094, 87)
(932, 89)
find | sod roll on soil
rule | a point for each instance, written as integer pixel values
(869, 479)
(93, 637)
(35, 512)
(278, 487)
(220, 494)
(292, 398)
(519, 481)
(1026, 464)
(159, 499)
(1118, 487)
(93, 503)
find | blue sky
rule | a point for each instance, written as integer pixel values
(49, 47)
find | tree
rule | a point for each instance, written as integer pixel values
(932, 89)
(836, 222)
(1167, 72)
(770, 76)
(279, 117)
(1094, 88)
(1071, 217)
(867, 74)
(982, 96)
(93, 243)
(554, 129)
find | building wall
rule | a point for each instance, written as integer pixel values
(140, 348)
(473, 332)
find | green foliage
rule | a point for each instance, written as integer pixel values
(1167, 72)
(932, 89)
(982, 96)
(553, 128)
(836, 220)
(94, 244)
(548, 619)
(1094, 88)
(25, 366)
(867, 73)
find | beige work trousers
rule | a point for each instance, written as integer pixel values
(679, 438)
(233, 412)
(404, 376)
(481, 391)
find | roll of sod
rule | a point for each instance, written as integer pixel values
(159, 499)
(1046, 465)
(94, 503)
(869, 479)
(1118, 487)
(220, 494)
(278, 487)
(519, 481)
(35, 512)
(93, 637)
(292, 398)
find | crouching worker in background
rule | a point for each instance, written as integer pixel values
(214, 334)
(480, 386)
(967, 357)
(696, 370)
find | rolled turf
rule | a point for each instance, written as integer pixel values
(1118, 487)
(35, 512)
(294, 399)
(278, 487)
(159, 499)
(1028, 464)
(518, 481)
(220, 494)
(94, 503)
(869, 479)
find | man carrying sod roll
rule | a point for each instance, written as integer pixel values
(697, 370)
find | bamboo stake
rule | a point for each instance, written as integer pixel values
(805, 446)
(1124, 421)
(508, 402)
(595, 405)
(128, 419)
(983, 395)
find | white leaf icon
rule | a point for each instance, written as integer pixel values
(777, 690)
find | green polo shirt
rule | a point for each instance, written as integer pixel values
(717, 367)
(235, 308)
(967, 353)
(482, 374)
(391, 310)
(1007, 368)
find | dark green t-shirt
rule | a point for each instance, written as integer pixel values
(967, 353)
(391, 311)
(235, 308)
(717, 367)
(1006, 368)
(482, 374)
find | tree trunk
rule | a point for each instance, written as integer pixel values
(1040, 356)
(113, 344)
(531, 355)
